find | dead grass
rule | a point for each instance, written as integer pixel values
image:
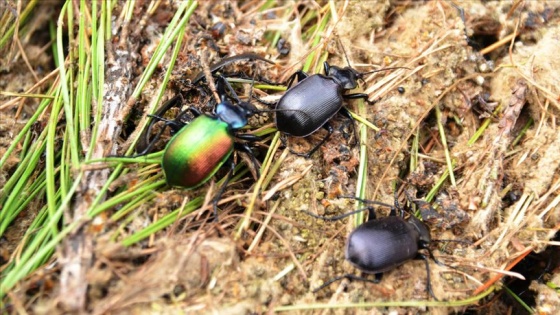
(477, 138)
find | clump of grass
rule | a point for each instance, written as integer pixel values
(57, 165)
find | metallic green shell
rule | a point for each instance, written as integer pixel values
(196, 152)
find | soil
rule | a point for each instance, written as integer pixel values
(500, 204)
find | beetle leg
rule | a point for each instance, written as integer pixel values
(300, 76)
(346, 113)
(329, 129)
(425, 246)
(266, 81)
(144, 144)
(222, 189)
(355, 96)
(245, 148)
(226, 61)
(310, 152)
(428, 282)
(284, 140)
(326, 284)
(195, 111)
(363, 96)
(371, 214)
(326, 126)
(248, 137)
(175, 125)
(151, 144)
(264, 102)
(397, 206)
(377, 278)
(227, 85)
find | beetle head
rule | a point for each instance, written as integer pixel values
(346, 77)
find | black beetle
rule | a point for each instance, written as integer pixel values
(380, 245)
(314, 100)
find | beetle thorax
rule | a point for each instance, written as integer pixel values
(234, 116)
(347, 77)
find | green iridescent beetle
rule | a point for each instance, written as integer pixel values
(194, 155)
(201, 147)
(204, 145)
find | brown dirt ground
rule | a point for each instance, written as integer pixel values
(505, 200)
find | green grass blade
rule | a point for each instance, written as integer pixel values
(163, 222)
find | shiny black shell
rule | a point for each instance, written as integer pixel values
(308, 105)
(381, 245)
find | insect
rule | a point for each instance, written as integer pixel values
(202, 146)
(314, 100)
(380, 245)
(145, 144)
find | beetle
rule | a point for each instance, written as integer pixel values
(314, 100)
(145, 144)
(202, 146)
(380, 245)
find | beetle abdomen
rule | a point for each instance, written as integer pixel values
(308, 105)
(196, 152)
(380, 245)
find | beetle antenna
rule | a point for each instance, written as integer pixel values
(348, 276)
(282, 110)
(344, 215)
(454, 241)
(382, 69)
(369, 72)
(344, 51)
(338, 217)
(372, 202)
